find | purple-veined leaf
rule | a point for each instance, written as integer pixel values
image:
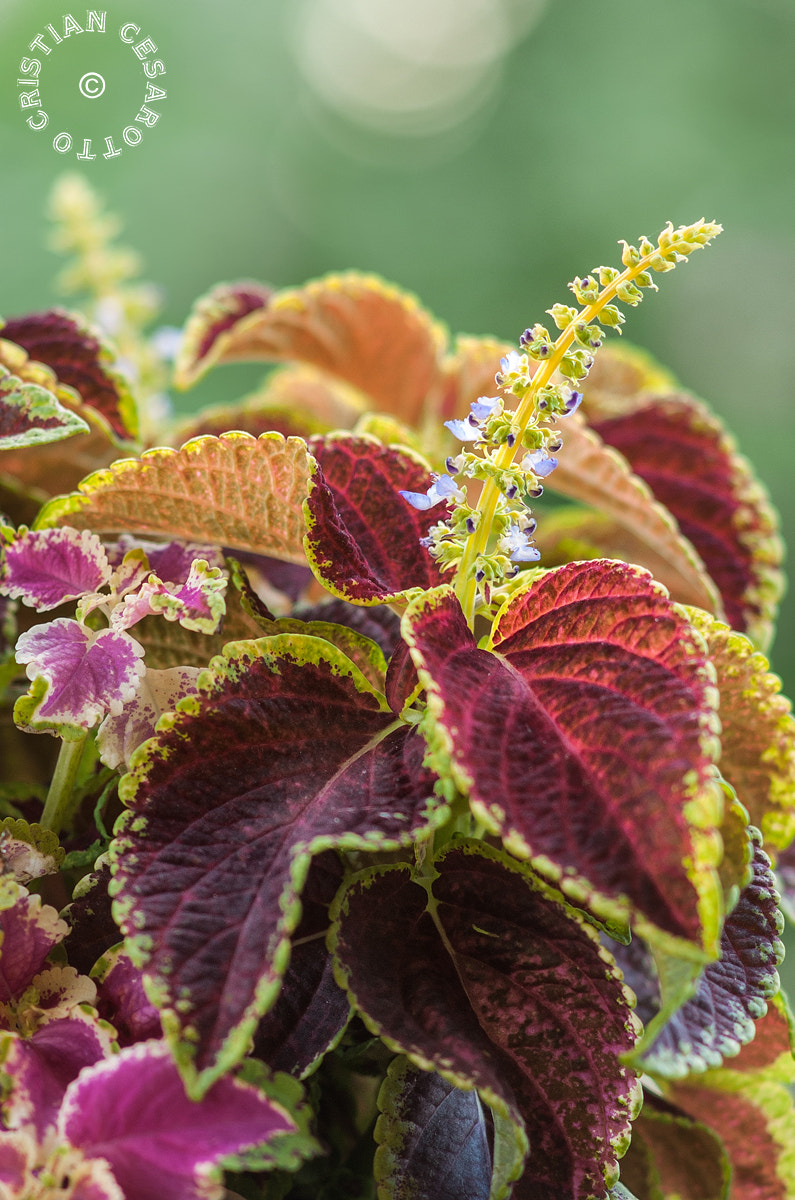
(28, 851)
(121, 998)
(749, 1104)
(692, 466)
(479, 972)
(158, 692)
(237, 491)
(78, 676)
(132, 1111)
(29, 931)
(312, 1010)
(732, 992)
(170, 561)
(585, 740)
(672, 1155)
(757, 731)
(354, 327)
(81, 360)
(363, 539)
(46, 567)
(32, 416)
(414, 1157)
(285, 751)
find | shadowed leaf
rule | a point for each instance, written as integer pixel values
(286, 751)
(483, 976)
(672, 1155)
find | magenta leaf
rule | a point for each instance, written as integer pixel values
(197, 603)
(285, 751)
(122, 1001)
(433, 1138)
(46, 567)
(37, 1070)
(312, 1010)
(479, 972)
(691, 465)
(132, 1111)
(78, 675)
(363, 539)
(29, 930)
(585, 740)
(170, 561)
(81, 360)
(733, 992)
(31, 415)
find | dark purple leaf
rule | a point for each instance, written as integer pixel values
(92, 929)
(586, 739)
(64, 342)
(286, 751)
(363, 538)
(497, 985)
(733, 992)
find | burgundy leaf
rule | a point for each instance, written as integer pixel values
(286, 751)
(312, 1009)
(487, 978)
(214, 314)
(132, 1111)
(586, 739)
(733, 992)
(691, 465)
(75, 352)
(363, 538)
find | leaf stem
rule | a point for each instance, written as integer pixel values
(59, 805)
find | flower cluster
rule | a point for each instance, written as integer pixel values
(487, 543)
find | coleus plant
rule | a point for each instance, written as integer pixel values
(443, 852)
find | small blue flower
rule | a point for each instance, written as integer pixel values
(517, 545)
(571, 403)
(540, 463)
(484, 406)
(465, 431)
(442, 488)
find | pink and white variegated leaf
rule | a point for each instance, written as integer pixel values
(46, 567)
(198, 603)
(78, 676)
(28, 932)
(132, 1111)
(159, 691)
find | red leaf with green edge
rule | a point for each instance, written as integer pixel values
(672, 1155)
(483, 975)
(593, 473)
(757, 731)
(585, 741)
(749, 1104)
(732, 992)
(216, 313)
(296, 401)
(285, 751)
(81, 360)
(355, 327)
(692, 466)
(31, 416)
(433, 1139)
(312, 1010)
(236, 491)
(363, 538)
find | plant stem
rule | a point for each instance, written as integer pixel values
(60, 800)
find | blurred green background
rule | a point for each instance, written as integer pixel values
(477, 152)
